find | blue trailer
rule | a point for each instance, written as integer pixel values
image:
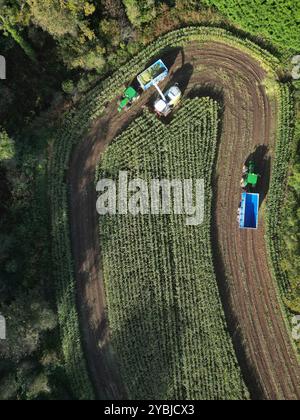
(248, 212)
(153, 75)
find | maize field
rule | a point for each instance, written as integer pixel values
(165, 313)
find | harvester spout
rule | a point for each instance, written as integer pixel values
(160, 93)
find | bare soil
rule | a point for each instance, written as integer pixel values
(261, 340)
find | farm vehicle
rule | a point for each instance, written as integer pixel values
(249, 206)
(250, 178)
(152, 76)
(168, 101)
(129, 97)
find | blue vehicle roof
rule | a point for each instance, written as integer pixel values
(249, 211)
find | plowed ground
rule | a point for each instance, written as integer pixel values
(251, 304)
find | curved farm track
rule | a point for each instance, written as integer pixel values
(262, 342)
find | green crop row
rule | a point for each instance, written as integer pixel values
(280, 170)
(275, 217)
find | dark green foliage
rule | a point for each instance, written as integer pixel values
(7, 148)
(68, 87)
(140, 11)
(25, 273)
(277, 21)
(8, 24)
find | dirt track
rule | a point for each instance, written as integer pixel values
(260, 336)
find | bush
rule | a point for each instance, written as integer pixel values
(140, 11)
(68, 87)
(7, 148)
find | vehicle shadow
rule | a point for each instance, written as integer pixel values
(262, 161)
(182, 77)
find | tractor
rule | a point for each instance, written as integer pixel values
(129, 97)
(248, 211)
(250, 178)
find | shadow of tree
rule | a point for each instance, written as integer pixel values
(137, 357)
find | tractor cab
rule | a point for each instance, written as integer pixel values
(250, 178)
